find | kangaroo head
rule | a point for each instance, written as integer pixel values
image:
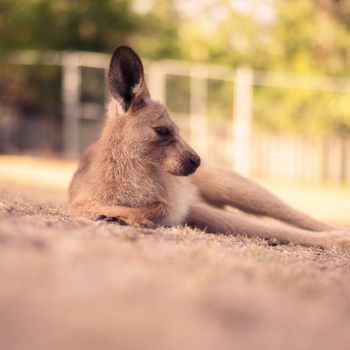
(145, 129)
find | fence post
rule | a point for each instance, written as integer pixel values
(156, 82)
(71, 84)
(198, 110)
(242, 121)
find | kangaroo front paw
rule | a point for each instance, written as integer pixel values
(128, 221)
(111, 219)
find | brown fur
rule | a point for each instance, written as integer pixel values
(136, 174)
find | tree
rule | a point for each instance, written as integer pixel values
(93, 25)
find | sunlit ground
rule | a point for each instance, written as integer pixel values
(329, 202)
(93, 285)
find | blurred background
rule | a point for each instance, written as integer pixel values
(260, 86)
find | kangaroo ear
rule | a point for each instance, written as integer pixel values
(126, 80)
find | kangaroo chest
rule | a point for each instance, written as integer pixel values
(181, 192)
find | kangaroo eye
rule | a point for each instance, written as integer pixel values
(162, 131)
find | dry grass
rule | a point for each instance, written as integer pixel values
(75, 284)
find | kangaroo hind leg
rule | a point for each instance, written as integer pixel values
(220, 187)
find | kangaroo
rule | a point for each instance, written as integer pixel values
(142, 172)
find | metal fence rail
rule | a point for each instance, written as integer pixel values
(234, 147)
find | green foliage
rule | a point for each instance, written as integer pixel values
(178, 90)
(93, 25)
(305, 36)
(305, 111)
(24, 88)
(308, 38)
(158, 34)
(65, 24)
(220, 97)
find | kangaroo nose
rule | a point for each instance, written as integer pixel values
(195, 160)
(191, 164)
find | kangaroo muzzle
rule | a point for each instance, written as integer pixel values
(192, 163)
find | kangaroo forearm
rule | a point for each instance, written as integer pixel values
(221, 187)
(153, 212)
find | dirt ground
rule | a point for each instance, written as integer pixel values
(76, 284)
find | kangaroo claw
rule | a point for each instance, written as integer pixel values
(144, 223)
(112, 219)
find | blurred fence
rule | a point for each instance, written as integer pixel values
(184, 87)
